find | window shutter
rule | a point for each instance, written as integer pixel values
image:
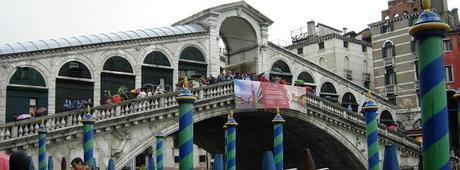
(393, 50)
(384, 52)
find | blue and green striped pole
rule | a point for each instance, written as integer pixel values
(428, 33)
(231, 142)
(225, 147)
(88, 143)
(185, 100)
(457, 97)
(278, 148)
(370, 110)
(159, 151)
(42, 147)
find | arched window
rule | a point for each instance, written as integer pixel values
(349, 100)
(347, 63)
(157, 72)
(26, 93)
(192, 62)
(390, 77)
(328, 92)
(365, 69)
(386, 118)
(306, 77)
(388, 50)
(281, 69)
(322, 62)
(73, 87)
(117, 78)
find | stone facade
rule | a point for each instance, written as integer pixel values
(395, 58)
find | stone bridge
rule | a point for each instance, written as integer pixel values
(122, 131)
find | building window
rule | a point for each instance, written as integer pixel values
(345, 44)
(447, 45)
(413, 46)
(388, 50)
(322, 62)
(416, 70)
(176, 159)
(449, 75)
(300, 50)
(386, 28)
(202, 158)
(321, 45)
(364, 48)
(390, 77)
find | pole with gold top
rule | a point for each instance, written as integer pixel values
(231, 142)
(278, 148)
(428, 33)
(185, 100)
(370, 111)
(88, 142)
(42, 146)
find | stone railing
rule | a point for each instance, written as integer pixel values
(330, 74)
(357, 121)
(66, 120)
(27, 130)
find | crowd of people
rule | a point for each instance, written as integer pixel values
(19, 160)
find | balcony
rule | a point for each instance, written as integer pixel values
(348, 74)
(389, 62)
(390, 89)
(366, 77)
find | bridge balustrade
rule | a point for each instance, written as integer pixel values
(27, 130)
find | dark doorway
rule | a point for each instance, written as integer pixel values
(328, 92)
(349, 100)
(117, 78)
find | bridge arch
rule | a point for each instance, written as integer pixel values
(352, 158)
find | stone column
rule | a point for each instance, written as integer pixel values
(213, 54)
(185, 100)
(263, 64)
(428, 32)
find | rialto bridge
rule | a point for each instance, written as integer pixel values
(58, 74)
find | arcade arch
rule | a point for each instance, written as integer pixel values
(25, 93)
(238, 45)
(116, 78)
(74, 87)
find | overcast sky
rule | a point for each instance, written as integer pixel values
(25, 20)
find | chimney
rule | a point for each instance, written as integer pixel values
(345, 30)
(311, 27)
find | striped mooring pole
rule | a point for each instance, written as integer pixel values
(42, 147)
(88, 142)
(457, 97)
(185, 100)
(159, 151)
(225, 147)
(278, 147)
(370, 110)
(231, 142)
(428, 33)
